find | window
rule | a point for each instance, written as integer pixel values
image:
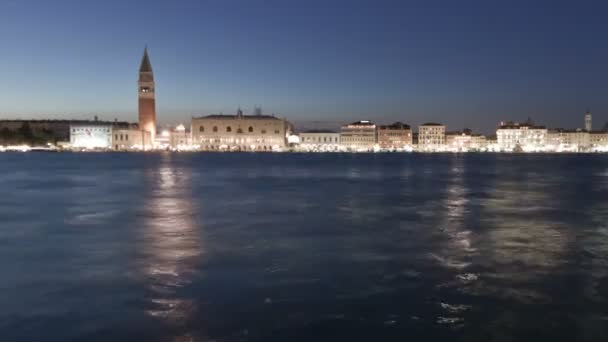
(276, 131)
(121, 137)
(215, 128)
(250, 129)
(263, 131)
(115, 136)
(126, 137)
(228, 129)
(201, 129)
(239, 131)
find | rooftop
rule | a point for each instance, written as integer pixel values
(235, 116)
(319, 131)
(396, 125)
(362, 123)
(431, 124)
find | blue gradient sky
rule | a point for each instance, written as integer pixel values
(464, 63)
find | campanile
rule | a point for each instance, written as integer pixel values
(147, 105)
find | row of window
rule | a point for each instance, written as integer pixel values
(239, 130)
(88, 129)
(126, 137)
(324, 139)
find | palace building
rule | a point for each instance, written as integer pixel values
(240, 132)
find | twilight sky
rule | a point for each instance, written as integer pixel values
(463, 63)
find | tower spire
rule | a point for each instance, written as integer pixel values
(145, 62)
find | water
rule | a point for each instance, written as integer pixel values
(303, 247)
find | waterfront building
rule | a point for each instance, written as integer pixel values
(130, 138)
(58, 130)
(146, 91)
(358, 136)
(180, 138)
(465, 141)
(91, 136)
(572, 140)
(431, 137)
(521, 137)
(319, 140)
(240, 132)
(598, 140)
(395, 136)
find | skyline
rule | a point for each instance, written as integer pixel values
(467, 65)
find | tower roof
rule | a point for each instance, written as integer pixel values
(145, 62)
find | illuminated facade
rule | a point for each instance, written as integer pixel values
(568, 140)
(240, 132)
(359, 136)
(395, 136)
(180, 138)
(91, 136)
(124, 139)
(319, 140)
(521, 137)
(465, 141)
(146, 91)
(598, 139)
(431, 137)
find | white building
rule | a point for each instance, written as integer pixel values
(127, 139)
(180, 138)
(91, 136)
(563, 140)
(521, 137)
(431, 137)
(240, 132)
(319, 141)
(465, 141)
(359, 136)
(598, 141)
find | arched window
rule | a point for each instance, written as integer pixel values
(228, 129)
(215, 128)
(239, 130)
(201, 129)
(263, 131)
(250, 129)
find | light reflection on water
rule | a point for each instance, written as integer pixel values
(171, 246)
(279, 247)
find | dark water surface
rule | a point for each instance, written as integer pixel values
(303, 247)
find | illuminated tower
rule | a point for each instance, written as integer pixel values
(147, 107)
(588, 121)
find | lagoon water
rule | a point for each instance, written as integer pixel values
(303, 247)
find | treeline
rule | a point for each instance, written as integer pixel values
(25, 135)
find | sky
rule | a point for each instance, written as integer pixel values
(463, 63)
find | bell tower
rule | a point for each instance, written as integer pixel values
(147, 105)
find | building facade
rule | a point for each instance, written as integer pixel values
(180, 138)
(465, 141)
(240, 132)
(147, 101)
(319, 140)
(127, 139)
(91, 136)
(359, 136)
(395, 136)
(431, 137)
(598, 140)
(521, 137)
(568, 140)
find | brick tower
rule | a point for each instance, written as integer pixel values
(147, 106)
